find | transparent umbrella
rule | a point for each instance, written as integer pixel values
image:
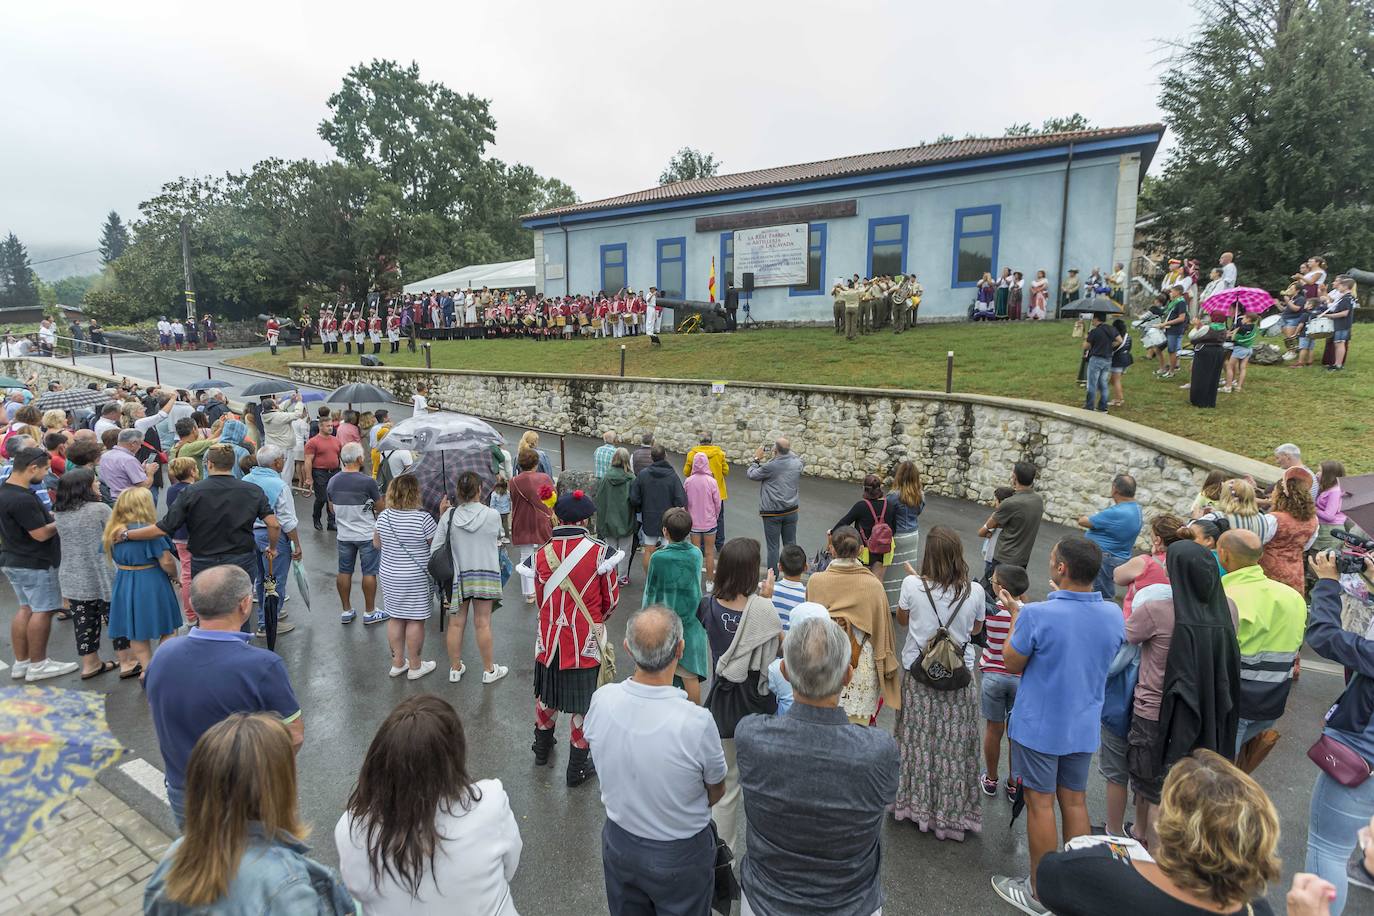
(446, 445)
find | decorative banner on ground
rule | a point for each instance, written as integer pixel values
(777, 255)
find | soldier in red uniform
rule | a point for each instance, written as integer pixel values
(273, 333)
(374, 331)
(576, 589)
(346, 329)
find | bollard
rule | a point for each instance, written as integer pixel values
(111, 352)
(562, 453)
(622, 360)
(949, 372)
(157, 379)
(209, 373)
(427, 349)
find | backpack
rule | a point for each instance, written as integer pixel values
(941, 665)
(384, 472)
(879, 541)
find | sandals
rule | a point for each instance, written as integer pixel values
(104, 667)
(133, 672)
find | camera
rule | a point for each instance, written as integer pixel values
(1351, 559)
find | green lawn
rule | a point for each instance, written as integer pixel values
(1323, 412)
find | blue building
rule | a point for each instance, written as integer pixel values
(945, 211)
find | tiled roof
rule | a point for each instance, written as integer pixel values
(926, 154)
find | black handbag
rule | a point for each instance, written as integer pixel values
(730, 702)
(441, 570)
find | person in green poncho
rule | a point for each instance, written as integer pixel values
(675, 582)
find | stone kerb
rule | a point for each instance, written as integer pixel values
(964, 444)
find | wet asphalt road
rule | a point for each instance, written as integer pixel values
(339, 674)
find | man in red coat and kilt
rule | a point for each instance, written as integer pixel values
(576, 589)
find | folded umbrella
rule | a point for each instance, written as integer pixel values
(1242, 298)
(271, 605)
(302, 582)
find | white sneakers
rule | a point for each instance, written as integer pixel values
(397, 670)
(45, 669)
(18, 670)
(414, 674)
(488, 677)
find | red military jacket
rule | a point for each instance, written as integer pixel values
(565, 639)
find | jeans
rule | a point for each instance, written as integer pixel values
(1099, 373)
(281, 567)
(775, 528)
(1335, 817)
(319, 479)
(1104, 582)
(176, 798)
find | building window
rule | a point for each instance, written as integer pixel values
(672, 268)
(613, 277)
(727, 259)
(887, 245)
(815, 263)
(975, 244)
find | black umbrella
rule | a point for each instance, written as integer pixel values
(1096, 304)
(271, 604)
(268, 386)
(359, 393)
(71, 399)
(208, 383)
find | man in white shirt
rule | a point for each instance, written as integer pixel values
(109, 418)
(1228, 270)
(653, 315)
(164, 333)
(661, 767)
(47, 336)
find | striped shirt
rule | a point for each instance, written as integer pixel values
(997, 626)
(787, 595)
(405, 535)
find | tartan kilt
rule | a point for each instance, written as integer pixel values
(565, 689)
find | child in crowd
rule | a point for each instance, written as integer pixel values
(674, 581)
(1210, 494)
(790, 590)
(499, 500)
(990, 542)
(184, 472)
(997, 686)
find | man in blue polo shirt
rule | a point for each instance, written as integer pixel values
(1062, 648)
(1114, 531)
(196, 682)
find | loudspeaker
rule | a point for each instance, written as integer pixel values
(747, 278)
(369, 361)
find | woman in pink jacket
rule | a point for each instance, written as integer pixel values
(703, 502)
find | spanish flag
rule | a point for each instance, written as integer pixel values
(711, 282)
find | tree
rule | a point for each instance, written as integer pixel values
(110, 307)
(114, 238)
(1057, 125)
(1271, 107)
(688, 163)
(18, 285)
(424, 138)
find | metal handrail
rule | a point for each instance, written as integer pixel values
(210, 373)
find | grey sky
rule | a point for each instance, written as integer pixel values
(111, 100)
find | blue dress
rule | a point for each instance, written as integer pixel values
(143, 605)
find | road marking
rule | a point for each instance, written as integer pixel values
(147, 776)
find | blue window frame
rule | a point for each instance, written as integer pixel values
(815, 263)
(976, 232)
(672, 268)
(887, 245)
(727, 262)
(614, 265)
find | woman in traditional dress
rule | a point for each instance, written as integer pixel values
(1040, 295)
(939, 738)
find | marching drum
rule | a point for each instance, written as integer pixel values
(1270, 325)
(1153, 339)
(1320, 327)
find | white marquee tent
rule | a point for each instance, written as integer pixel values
(505, 275)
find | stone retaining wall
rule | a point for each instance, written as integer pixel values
(71, 376)
(964, 445)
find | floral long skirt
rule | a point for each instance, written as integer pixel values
(939, 743)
